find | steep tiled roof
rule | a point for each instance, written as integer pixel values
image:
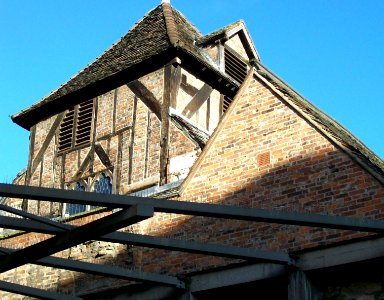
(218, 34)
(331, 128)
(161, 35)
(227, 32)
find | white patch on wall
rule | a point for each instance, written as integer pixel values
(179, 166)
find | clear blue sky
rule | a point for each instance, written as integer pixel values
(332, 52)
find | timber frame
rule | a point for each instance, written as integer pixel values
(129, 210)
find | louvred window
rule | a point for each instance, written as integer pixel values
(76, 127)
(237, 68)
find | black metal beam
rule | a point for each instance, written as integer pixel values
(196, 209)
(31, 225)
(165, 243)
(34, 292)
(249, 254)
(76, 236)
(28, 215)
(104, 270)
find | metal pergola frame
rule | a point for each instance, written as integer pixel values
(135, 209)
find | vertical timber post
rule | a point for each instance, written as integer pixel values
(164, 132)
(175, 81)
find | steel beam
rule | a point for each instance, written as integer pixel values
(32, 225)
(103, 270)
(195, 209)
(30, 216)
(76, 236)
(34, 292)
(172, 244)
(249, 254)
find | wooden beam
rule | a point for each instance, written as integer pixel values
(197, 100)
(32, 136)
(175, 84)
(48, 139)
(83, 165)
(103, 156)
(146, 96)
(164, 131)
(188, 88)
(132, 140)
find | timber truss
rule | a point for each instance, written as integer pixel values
(134, 209)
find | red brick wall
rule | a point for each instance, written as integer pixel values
(265, 155)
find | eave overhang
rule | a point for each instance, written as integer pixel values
(44, 109)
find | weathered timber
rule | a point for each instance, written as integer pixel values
(114, 110)
(87, 160)
(103, 156)
(146, 96)
(147, 143)
(247, 46)
(186, 87)
(208, 116)
(175, 84)
(132, 140)
(48, 139)
(197, 100)
(117, 169)
(164, 132)
(220, 56)
(32, 136)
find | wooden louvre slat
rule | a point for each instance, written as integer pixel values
(234, 66)
(66, 130)
(84, 123)
(76, 127)
(226, 102)
(237, 69)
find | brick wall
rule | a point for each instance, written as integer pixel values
(265, 155)
(129, 133)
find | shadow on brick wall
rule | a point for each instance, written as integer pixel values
(327, 184)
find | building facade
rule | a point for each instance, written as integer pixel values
(169, 113)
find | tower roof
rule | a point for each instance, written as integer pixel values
(160, 36)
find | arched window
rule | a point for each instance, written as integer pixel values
(103, 185)
(72, 209)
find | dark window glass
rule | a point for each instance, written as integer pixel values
(72, 209)
(103, 185)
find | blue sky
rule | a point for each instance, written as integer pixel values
(332, 52)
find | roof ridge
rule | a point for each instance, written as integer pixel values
(170, 23)
(218, 33)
